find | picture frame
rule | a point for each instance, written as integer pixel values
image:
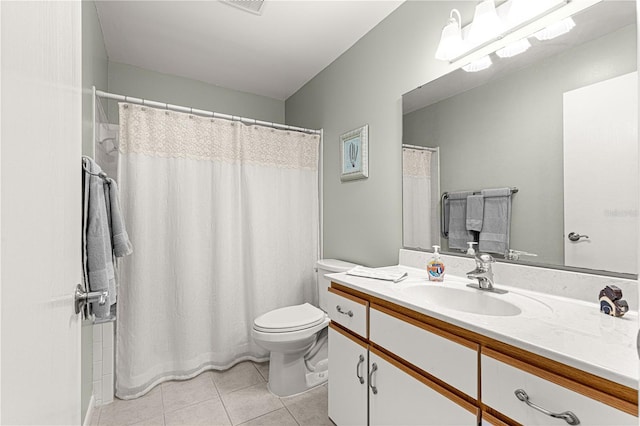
(354, 154)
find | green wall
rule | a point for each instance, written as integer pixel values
(133, 81)
(363, 219)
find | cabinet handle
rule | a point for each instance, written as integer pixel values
(360, 361)
(374, 389)
(339, 309)
(567, 416)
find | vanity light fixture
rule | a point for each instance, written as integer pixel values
(513, 49)
(491, 24)
(555, 30)
(486, 23)
(478, 65)
(451, 44)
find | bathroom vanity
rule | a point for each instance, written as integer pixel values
(420, 352)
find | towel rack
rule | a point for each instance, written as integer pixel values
(443, 214)
(101, 175)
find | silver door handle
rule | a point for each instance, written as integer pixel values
(360, 361)
(82, 297)
(339, 309)
(374, 389)
(574, 236)
(567, 416)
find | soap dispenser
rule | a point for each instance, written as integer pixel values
(435, 267)
(470, 250)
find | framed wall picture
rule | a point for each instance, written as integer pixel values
(354, 152)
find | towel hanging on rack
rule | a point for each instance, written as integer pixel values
(104, 235)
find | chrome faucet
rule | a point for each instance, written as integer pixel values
(483, 273)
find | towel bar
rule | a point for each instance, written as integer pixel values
(443, 213)
(82, 297)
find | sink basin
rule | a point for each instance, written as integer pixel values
(471, 301)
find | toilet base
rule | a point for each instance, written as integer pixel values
(288, 374)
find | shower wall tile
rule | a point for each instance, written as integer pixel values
(107, 389)
(97, 350)
(97, 392)
(97, 371)
(107, 360)
(103, 363)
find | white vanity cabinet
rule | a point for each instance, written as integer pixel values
(503, 376)
(390, 365)
(400, 396)
(348, 361)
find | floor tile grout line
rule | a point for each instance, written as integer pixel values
(191, 404)
(261, 415)
(224, 406)
(291, 414)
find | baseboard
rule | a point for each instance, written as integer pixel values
(89, 415)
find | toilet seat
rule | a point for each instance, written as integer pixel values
(289, 318)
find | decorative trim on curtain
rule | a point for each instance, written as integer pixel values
(162, 133)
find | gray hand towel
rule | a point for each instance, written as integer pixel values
(494, 237)
(475, 210)
(121, 244)
(97, 240)
(458, 233)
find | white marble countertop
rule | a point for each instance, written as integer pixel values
(569, 331)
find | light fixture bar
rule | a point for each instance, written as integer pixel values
(511, 30)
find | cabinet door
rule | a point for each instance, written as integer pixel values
(347, 378)
(398, 396)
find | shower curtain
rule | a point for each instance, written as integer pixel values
(419, 207)
(224, 218)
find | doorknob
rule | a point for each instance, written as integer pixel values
(574, 236)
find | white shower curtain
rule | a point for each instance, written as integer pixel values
(224, 221)
(419, 212)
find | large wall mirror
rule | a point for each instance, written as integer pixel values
(559, 123)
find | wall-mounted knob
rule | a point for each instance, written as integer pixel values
(574, 236)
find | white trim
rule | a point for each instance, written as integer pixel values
(321, 197)
(90, 410)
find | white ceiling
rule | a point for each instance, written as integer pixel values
(273, 54)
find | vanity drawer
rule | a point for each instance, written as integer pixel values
(348, 311)
(446, 357)
(502, 376)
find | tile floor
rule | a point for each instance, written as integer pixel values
(238, 396)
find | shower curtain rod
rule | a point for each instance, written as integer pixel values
(423, 148)
(202, 112)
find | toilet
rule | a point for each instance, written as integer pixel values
(296, 336)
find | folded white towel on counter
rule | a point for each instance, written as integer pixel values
(361, 271)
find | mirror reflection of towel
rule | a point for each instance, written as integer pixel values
(475, 212)
(496, 224)
(458, 233)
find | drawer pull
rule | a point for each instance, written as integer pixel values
(339, 309)
(360, 361)
(374, 389)
(567, 416)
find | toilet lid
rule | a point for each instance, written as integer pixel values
(290, 318)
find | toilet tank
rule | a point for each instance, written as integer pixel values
(328, 266)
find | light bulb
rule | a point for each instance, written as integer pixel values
(486, 23)
(478, 65)
(451, 43)
(555, 30)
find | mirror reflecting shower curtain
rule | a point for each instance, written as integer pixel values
(419, 198)
(224, 219)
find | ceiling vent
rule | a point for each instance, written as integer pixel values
(252, 6)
